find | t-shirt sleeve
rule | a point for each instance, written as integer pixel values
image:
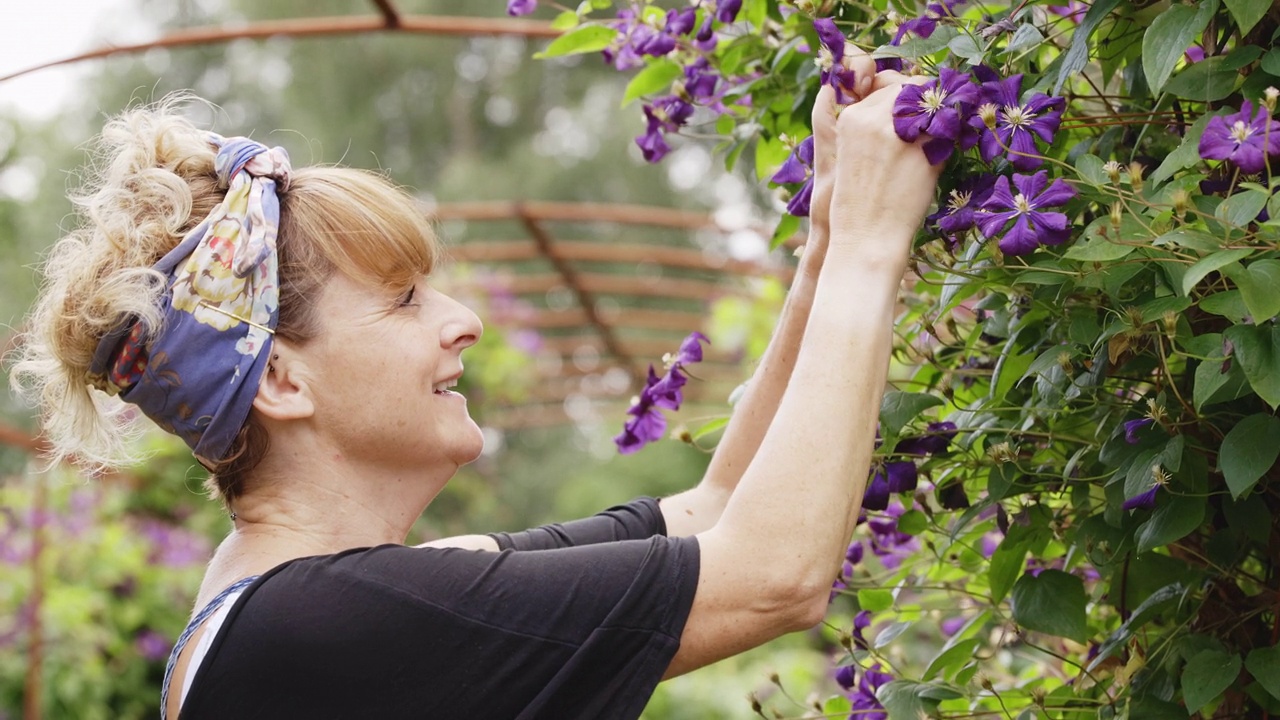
(396, 632)
(639, 519)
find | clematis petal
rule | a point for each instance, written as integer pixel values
(804, 151)
(830, 37)
(792, 171)
(876, 496)
(521, 7)
(1249, 157)
(1145, 500)
(799, 204)
(1216, 142)
(1031, 185)
(945, 124)
(1057, 194)
(1021, 238)
(1050, 227)
(901, 476)
(1133, 427)
(938, 149)
(727, 10)
(1002, 92)
(992, 224)
(1001, 197)
(691, 348)
(1023, 154)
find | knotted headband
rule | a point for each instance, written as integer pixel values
(197, 374)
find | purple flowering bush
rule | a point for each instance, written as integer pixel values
(1073, 510)
(115, 586)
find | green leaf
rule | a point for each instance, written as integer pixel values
(1077, 56)
(1249, 450)
(1171, 522)
(964, 46)
(953, 655)
(1250, 517)
(1206, 81)
(1025, 37)
(890, 633)
(913, 522)
(771, 152)
(788, 225)
(565, 20)
(1206, 676)
(655, 77)
(1099, 249)
(911, 700)
(899, 408)
(582, 39)
(1258, 350)
(918, 47)
(875, 600)
(1271, 61)
(1259, 284)
(1210, 263)
(1006, 563)
(1090, 168)
(1141, 616)
(1228, 304)
(1242, 208)
(1052, 602)
(1264, 665)
(1247, 12)
(1213, 385)
(1187, 152)
(1188, 238)
(1169, 35)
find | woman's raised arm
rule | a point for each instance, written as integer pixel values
(768, 562)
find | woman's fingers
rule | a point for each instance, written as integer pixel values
(864, 70)
(886, 78)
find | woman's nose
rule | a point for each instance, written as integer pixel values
(463, 328)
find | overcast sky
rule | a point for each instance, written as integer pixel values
(36, 31)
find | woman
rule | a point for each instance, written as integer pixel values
(282, 323)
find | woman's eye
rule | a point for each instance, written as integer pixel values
(407, 298)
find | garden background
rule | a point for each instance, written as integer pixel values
(1072, 511)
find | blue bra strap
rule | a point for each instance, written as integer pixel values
(196, 622)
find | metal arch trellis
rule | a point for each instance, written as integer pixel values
(604, 332)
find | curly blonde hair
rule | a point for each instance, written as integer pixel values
(152, 182)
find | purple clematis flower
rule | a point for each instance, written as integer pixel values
(798, 168)
(700, 80)
(901, 476)
(924, 25)
(665, 115)
(960, 213)
(937, 108)
(876, 496)
(1032, 226)
(1145, 500)
(845, 677)
(831, 60)
(727, 10)
(953, 497)
(680, 22)
(1073, 11)
(853, 554)
(939, 437)
(1016, 123)
(521, 7)
(691, 349)
(1245, 138)
(861, 622)
(1132, 427)
(647, 424)
(864, 704)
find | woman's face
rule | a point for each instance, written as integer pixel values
(379, 368)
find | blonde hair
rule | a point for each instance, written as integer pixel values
(153, 182)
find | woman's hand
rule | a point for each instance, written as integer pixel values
(881, 184)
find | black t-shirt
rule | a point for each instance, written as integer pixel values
(568, 621)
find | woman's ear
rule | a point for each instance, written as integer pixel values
(283, 393)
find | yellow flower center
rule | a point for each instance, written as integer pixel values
(931, 99)
(1017, 116)
(1021, 204)
(1241, 131)
(959, 199)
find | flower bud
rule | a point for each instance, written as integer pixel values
(1117, 215)
(1170, 320)
(1269, 98)
(1001, 453)
(1064, 362)
(1112, 169)
(773, 678)
(987, 112)
(985, 682)
(1181, 201)
(1135, 176)
(756, 707)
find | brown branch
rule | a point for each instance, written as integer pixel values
(585, 299)
(389, 13)
(313, 27)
